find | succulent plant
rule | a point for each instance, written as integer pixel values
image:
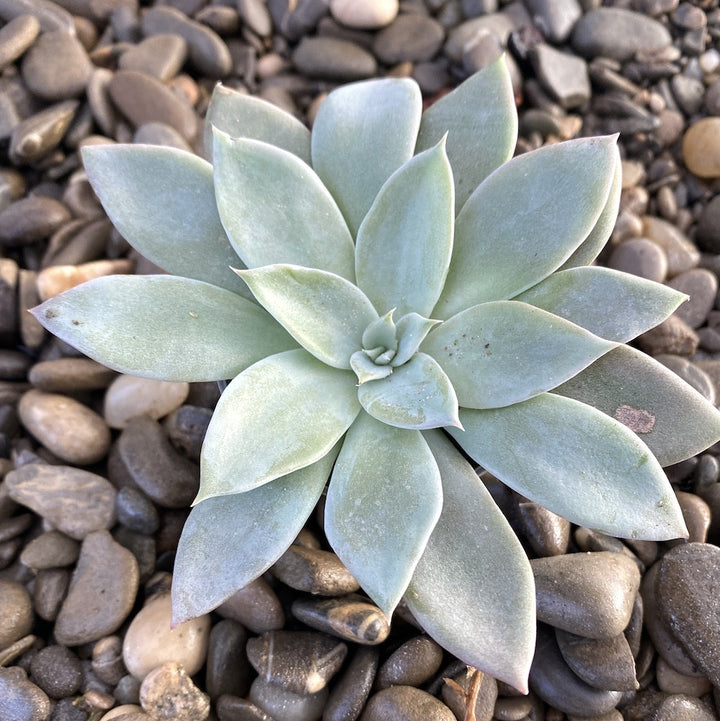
(393, 297)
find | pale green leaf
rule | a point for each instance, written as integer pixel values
(417, 394)
(325, 313)
(163, 203)
(481, 121)
(366, 370)
(276, 210)
(581, 295)
(362, 134)
(244, 116)
(525, 220)
(380, 335)
(229, 541)
(473, 589)
(501, 353)
(577, 462)
(412, 330)
(164, 327)
(590, 248)
(673, 419)
(383, 501)
(405, 241)
(281, 414)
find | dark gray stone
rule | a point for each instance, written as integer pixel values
(332, 59)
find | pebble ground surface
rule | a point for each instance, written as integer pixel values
(98, 469)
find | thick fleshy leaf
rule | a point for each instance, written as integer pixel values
(673, 420)
(163, 203)
(501, 353)
(581, 295)
(281, 414)
(417, 394)
(380, 335)
(362, 134)
(229, 541)
(405, 241)
(525, 220)
(325, 313)
(412, 330)
(473, 589)
(366, 369)
(577, 462)
(164, 327)
(383, 501)
(481, 121)
(245, 116)
(590, 248)
(276, 210)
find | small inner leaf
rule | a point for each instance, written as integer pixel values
(366, 369)
(380, 334)
(411, 332)
(418, 395)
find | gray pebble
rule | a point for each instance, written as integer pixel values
(144, 456)
(641, 257)
(70, 375)
(38, 135)
(681, 253)
(234, 708)
(136, 512)
(16, 615)
(31, 219)
(50, 550)
(589, 594)
(347, 618)
(673, 335)
(606, 664)
(688, 601)
(50, 15)
(161, 134)
(143, 99)
(56, 67)
(702, 286)
(414, 663)
(74, 501)
(256, 16)
(107, 661)
(409, 37)
(299, 661)
(207, 50)
(186, 428)
(617, 33)
(349, 694)
(49, 591)
(554, 18)
(332, 59)
(405, 703)
(500, 24)
(688, 93)
(256, 606)
(16, 37)
(142, 546)
(9, 273)
(102, 591)
(548, 533)
(697, 516)
(708, 227)
(57, 671)
(557, 685)
(280, 703)
(314, 571)
(683, 708)
(227, 670)
(690, 373)
(14, 365)
(161, 56)
(77, 242)
(563, 75)
(20, 699)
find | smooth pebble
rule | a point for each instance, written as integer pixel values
(412, 664)
(280, 703)
(364, 14)
(701, 148)
(256, 606)
(20, 699)
(314, 571)
(16, 612)
(227, 671)
(405, 703)
(128, 396)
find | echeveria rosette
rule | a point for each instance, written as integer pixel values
(367, 289)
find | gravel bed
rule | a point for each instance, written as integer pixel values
(98, 470)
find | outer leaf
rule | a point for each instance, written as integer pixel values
(580, 295)
(473, 589)
(525, 220)
(404, 244)
(501, 353)
(229, 541)
(163, 327)
(590, 248)
(416, 395)
(673, 419)
(276, 210)
(383, 501)
(325, 313)
(578, 463)
(245, 116)
(481, 121)
(362, 134)
(162, 201)
(281, 414)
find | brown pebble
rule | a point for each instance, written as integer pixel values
(16, 617)
(31, 219)
(51, 585)
(168, 693)
(70, 375)
(673, 336)
(314, 571)
(701, 148)
(58, 278)
(160, 55)
(38, 135)
(670, 681)
(548, 533)
(256, 606)
(227, 670)
(406, 703)
(414, 663)
(350, 692)
(16, 37)
(51, 549)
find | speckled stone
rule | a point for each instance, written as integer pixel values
(16, 612)
(76, 502)
(57, 671)
(20, 699)
(405, 703)
(168, 693)
(101, 594)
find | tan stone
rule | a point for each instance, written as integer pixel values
(58, 278)
(701, 148)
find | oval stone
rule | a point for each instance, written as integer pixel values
(31, 219)
(129, 396)
(333, 59)
(69, 375)
(16, 37)
(348, 618)
(227, 670)
(256, 606)
(72, 431)
(349, 694)
(702, 286)
(365, 14)
(167, 693)
(151, 641)
(414, 663)
(280, 703)
(314, 571)
(405, 703)
(16, 612)
(701, 148)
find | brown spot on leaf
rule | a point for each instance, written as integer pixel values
(636, 419)
(50, 314)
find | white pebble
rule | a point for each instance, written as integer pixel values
(128, 396)
(366, 14)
